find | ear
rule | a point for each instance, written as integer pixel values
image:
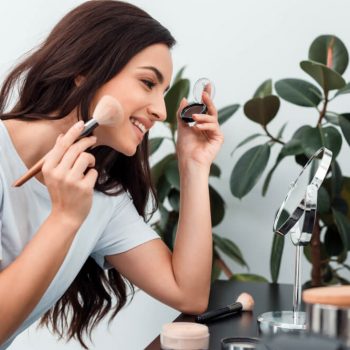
(78, 80)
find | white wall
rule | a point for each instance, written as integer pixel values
(238, 44)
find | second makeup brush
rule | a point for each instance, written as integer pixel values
(244, 302)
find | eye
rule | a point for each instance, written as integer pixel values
(150, 84)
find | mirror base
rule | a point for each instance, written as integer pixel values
(277, 322)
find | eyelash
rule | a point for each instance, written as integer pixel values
(150, 84)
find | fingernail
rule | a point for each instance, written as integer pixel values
(79, 125)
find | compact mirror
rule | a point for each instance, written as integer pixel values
(297, 216)
(198, 107)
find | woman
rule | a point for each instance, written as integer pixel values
(84, 212)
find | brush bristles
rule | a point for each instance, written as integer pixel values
(247, 301)
(108, 111)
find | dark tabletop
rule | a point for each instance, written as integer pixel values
(268, 297)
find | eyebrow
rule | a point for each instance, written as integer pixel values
(158, 74)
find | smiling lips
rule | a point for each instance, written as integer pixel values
(141, 127)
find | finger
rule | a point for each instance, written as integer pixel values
(84, 161)
(69, 158)
(209, 103)
(62, 144)
(182, 105)
(90, 178)
(207, 126)
(204, 118)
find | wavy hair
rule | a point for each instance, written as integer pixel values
(95, 40)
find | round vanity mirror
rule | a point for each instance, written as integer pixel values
(298, 211)
(297, 216)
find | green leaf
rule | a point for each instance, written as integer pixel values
(344, 90)
(313, 139)
(229, 248)
(329, 50)
(343, 225)
(299, 92)
(158, 169)
(332, 118)
(265, 89)
(215, 170)
(174, 199)
(248, 139)
(333, 242)
(344, 122)
(323, 201)
(227, 112)
(248, 277)
(154, 144)
(217, 206)
(173, 98)
(215, 270)
(276, 256)
(262, 110)
(163, 187)
(326, 77)
(179, 75)
(293, 147)
(249, 169)
(280, 132)
(344, 185)
(171, 173)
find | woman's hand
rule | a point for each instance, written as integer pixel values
(201, 142)
(64, 171)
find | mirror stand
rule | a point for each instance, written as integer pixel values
(301, 205)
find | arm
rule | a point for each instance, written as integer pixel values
(182, 279)
(24, 282)
(26, 279)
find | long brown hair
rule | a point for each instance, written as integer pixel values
(94, 40)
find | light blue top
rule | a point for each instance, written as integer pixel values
(112, 226)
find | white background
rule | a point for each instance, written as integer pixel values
(238, 44)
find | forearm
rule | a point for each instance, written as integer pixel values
(25, 280)
(192, 255)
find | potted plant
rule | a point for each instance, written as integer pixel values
(326, 64)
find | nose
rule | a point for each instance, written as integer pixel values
(157, 108)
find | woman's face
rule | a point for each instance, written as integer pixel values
(140, 88)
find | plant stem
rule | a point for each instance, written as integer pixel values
(316, 255)
(271, 137)
(222, 266)
(324, 109)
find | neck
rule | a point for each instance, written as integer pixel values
(34, 139)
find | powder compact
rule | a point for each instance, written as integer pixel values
(198, 107)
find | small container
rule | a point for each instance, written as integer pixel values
(184, 336)
(239, 343)
(328, 311)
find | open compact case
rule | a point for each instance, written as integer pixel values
(297, 216)
(198, 107)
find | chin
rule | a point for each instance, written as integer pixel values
(129, 152)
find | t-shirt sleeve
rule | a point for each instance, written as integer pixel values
(126, 230)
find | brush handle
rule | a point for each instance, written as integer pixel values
(209, 315)
(36, 168)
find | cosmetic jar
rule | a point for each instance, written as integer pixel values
(239, 343)
(184, 336)
(328, 312)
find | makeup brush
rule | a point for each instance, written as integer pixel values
(244, 302)
(108, 111)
